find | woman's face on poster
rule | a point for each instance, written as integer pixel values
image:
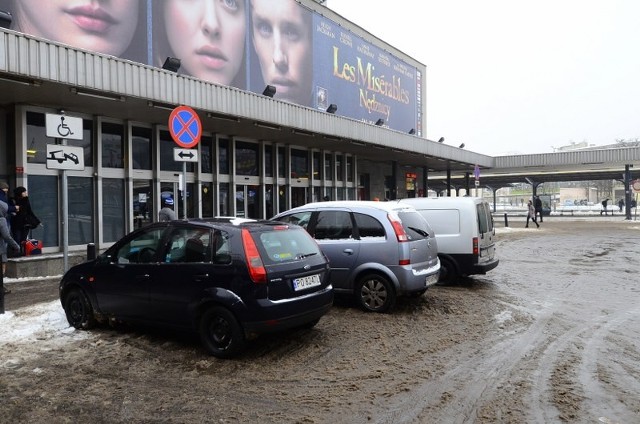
(208, 36)
(102, 26)
(282, 40)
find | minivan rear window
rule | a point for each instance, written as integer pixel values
(415, 225)
(285, 245)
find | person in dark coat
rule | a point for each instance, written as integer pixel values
(537, 204)
(24, 220)
(604, 206)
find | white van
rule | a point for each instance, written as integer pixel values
(464, 231)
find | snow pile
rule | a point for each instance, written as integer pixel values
(43, 321)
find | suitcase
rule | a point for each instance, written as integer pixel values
(31, 247)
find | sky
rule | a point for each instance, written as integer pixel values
(513, 76)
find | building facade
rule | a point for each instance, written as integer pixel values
(355, 133)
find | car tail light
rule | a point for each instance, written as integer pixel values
(257, 272)
(404, 262)
(397, 228)
(476, 252)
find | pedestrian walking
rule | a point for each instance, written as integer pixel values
(537, 204)
(604, 206)
(620, 204)
(531, 214)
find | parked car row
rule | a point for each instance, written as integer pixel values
(232, 279)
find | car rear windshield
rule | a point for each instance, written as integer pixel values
(415, 225)
(285, 245)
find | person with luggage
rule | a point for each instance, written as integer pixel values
(24, 220)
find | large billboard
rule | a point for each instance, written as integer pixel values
(249, 44)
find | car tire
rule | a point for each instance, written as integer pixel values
(375, 293)
(448, 272)
(220, 333)
(78, 310)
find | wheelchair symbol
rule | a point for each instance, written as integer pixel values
(63, 129)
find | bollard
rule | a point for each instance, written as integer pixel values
(506, 220)
(91, 251)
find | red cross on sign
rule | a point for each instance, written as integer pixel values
(185, 127)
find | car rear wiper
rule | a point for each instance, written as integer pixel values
(305, 255)
(423, 233)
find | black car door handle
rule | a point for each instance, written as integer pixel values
(142, 277)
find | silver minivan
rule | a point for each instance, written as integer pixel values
(377, 250)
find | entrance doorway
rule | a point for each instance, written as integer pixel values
(248, 201)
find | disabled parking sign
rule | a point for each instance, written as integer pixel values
(185, 127)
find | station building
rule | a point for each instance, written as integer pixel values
(355, 130)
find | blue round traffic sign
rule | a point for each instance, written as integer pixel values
(185, 127)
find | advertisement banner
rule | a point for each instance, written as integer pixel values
(248, 44)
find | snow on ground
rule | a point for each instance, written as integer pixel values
(37, 322)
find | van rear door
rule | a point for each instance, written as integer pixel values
(486, 244)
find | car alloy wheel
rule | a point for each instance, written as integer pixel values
(375, 293)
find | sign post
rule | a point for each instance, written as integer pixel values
(185, 129)
(63, 157)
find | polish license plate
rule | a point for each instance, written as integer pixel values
(306, 282)
(432, 279)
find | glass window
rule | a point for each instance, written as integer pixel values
(188, 245)
(112, 145)
(333, 225)
(416, 227)
(299, 164)
(368, 226)
(223, 156)
(206, 152)
(268, 161)
(37, 139)
(141, 148)
(207, 199)
(86, 143)
(140, 250)
(281, 162)
(113, 224)
(80, 210)
(43, 196)
(339, 168)
(285, 245)
(300, 218)
(340, 193)
(166, 154)
(142, 202)
(268, 198)
(328, 170)
(247, 158)
(317, 165)
(225, 209)
(350, 169)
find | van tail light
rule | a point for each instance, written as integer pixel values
(476, 252)
(397, 228)
(257, 272)
(404, 262)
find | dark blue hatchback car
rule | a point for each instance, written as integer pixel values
(229, 280)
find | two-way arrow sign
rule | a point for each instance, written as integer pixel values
(185, 155)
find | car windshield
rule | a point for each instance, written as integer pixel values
(292, 244)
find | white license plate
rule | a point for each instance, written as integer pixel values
(306, 282)
(431, 280)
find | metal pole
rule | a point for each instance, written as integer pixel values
(506, 220)
(65, 219)
(184, 190)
